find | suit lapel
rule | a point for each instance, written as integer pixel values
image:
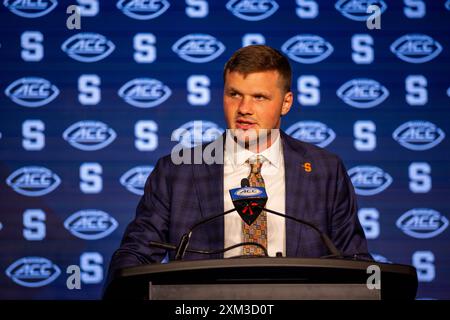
(296, 185)
(208, 183)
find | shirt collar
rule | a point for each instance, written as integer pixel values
(237, 155)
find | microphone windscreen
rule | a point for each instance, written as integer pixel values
(249, 202)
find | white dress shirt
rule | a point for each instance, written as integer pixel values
(272, 171)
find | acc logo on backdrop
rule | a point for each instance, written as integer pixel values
(307, 48)
(416, 48)
(357, 9)
(198, 48)
(89, 135)
(362, 93)
(143, 10)
(90, 224)
(30, 9)
(32, 92)
(312, 132)
(135, 178)
(33, 272)
(422, 223)
(418, 135)
(88, 47)
(252, 10)
(144, 92)
(196, 132)
(369, 180)
(33, 181)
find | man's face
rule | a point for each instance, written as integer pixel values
(254, 102)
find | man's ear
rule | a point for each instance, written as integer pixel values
(287, 103)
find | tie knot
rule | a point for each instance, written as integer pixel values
(256, 163)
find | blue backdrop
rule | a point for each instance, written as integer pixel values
(86, 113)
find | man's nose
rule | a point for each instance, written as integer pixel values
(245, 106)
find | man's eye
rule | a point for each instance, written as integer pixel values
(260, 98)
(234, 94)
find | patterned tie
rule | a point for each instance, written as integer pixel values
(257, 231)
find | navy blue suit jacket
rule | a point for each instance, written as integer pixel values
(178, 196)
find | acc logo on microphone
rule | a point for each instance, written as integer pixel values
(196, 132)
(198, 48)
(33, 272)
(369, 180)
(144, 92)
(90, 224)
(252, 10)
(357, 9)
(33, 181)
(32, 92)
(30, 9)
(248, 192)
(143, 10)
(313, 132)
(422, 223)
(362, 93)
(307, 48)
(89, 135)
(88, 47)
(418, 135)
(416, 48)
(135, 178)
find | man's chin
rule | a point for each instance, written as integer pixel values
(254, 138)
(245, 134)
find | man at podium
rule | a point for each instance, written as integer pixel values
(301, 180)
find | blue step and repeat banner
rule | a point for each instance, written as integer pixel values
(86, 110)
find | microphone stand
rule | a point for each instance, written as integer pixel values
(168, 246)
(325, 239)
(184, 241)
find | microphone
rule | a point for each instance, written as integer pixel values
(250, 201)
(245, 183)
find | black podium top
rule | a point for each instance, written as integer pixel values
(397, 281)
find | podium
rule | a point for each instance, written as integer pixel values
(263, 279)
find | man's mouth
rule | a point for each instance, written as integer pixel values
(245, 124)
